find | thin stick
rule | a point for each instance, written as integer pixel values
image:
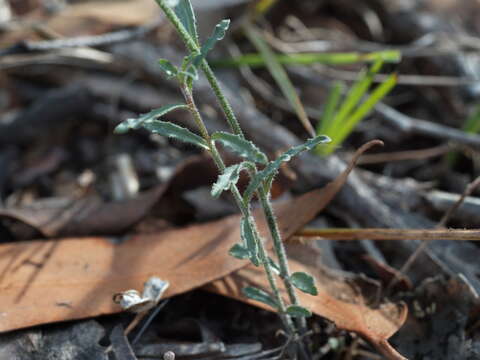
(421, 248)
(405, 155)
(388, 234)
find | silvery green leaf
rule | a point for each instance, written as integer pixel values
(225, 180)
(218, 34)
(248, 237)
(133, 124)
(184, 11)
(304, 282)
(174, 131)
(272, 168)
(239, 252)
(240, 146)
(298, 311)
(167, 67)
(259, 295)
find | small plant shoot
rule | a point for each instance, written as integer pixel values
(252, 246)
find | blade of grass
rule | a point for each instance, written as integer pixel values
(256, 60)
(329, 111)
(353, 97)
(362, 111)
(279, 74)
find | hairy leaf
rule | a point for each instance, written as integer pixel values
(174, 131)
(218, 34)
(133, 124)
(272, 168)
(304, 282)
(228, 178)
(184, 11)
(240, 252)
(259, 295)
(168, 68)
(240, 146)
(298, 311)
(248, 237)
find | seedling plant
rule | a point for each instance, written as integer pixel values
(254, 162)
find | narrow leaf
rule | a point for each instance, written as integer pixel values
(257, 61)
(272, 168)
(361, 111)
(225, 180)
(304, 282)
(174, 131)
(328, 114)
(248, 237)
(167, 67)
(355, 94)
(240, 146)
(218, 34)
(259, 295)
(152, 115)
(184, 11)
(298, 311)
(280, 76)
(240, 252)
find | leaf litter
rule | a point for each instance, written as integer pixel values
(82, 274)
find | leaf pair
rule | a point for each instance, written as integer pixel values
(149, 121)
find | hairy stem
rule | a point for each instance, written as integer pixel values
(193, 47)
(280, 251)
(244, 208)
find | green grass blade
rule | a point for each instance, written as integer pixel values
(256, 60)
(280, 76)
(332, 103)
(363, 110)
(353, 97)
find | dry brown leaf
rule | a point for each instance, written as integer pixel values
(85, 216)
(48, 281)
(93, 216)
(88, 18)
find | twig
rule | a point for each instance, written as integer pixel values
(82, 41)
(405, 155)
(421, 248)
(388, 234)
(419, 126)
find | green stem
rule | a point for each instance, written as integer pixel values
(244, 208)
(222, 100)
(195, 50)
(280, 251)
